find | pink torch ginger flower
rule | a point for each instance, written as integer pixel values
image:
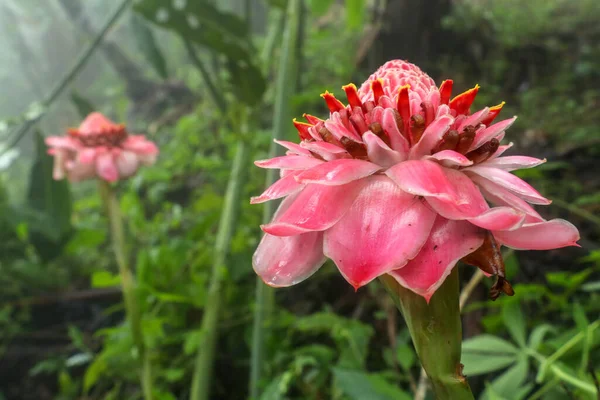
(398, 182)
(99, 148)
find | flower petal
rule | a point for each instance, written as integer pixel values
(511, 163)
(289, 162)
(384, 228)
(489, 133)
(63, 142)
(338, 172)
(499, 196)
(545, 235)
(127, 163)
(474, 119)
(450, 158)
(397, 140)
(286, 261)
(431, 137)
(327, 151)
(315, 208)
(379, 152)
(106, 167)
(448, 242)
(293, 147)
(281, 188)
(499, 218)
(451, 193)
(510, 182)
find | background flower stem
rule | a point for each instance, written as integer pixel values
(201, 380)
(132, 307)
(436, 332)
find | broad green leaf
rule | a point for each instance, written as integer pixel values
(488, 344)
(148, 46)
(319, 7)
(103, 279)
(51, 198)
(591, 286)
(478, 364)
(405, 355)
(278, 387)
(223, 32)
(351, 336)
(509, 383)
(355, 11)
(358, 385)
(537, 335)
(514, 321)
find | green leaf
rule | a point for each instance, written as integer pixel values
(148, 46)
(359, 385)
(405, 356)
(591, 286)
(223, 32)
(480, 363)
(51, 198)
(278, 387)
(103, 279)
(514, 321)
(537, 335)
(488, 344)
(509, 383)
(355, 10)
(319, 7)
(93, 373)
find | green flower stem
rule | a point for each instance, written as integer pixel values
(436, 332)
(202, 378)
(286, 80)
(132, 307)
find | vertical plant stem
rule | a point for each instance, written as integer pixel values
(436, 332)
(132, 307)
(202, 378)
(286, 74)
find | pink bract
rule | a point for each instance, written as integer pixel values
(101, 149)
(400, 181)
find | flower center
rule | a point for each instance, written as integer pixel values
(112, 136)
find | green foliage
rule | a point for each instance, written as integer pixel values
(221, 32)
(148, 45)
(60, 282)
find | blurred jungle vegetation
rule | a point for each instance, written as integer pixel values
(198, 77)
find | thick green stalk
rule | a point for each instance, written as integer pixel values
(202, 378)
(286, 78)
(132, 308)
(436, 332)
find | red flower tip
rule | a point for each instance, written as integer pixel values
(302, 128)
(462, 102)
(312, 119)
(332, 103)
(494, 111)
(446, 91)
(352, 95)
(403, 106)
(377, 88)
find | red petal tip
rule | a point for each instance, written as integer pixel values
(332, 103)
(462, 102)
(302, 128)
(352, 95)
(494, 111)
(446, 91)
(377, 88)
